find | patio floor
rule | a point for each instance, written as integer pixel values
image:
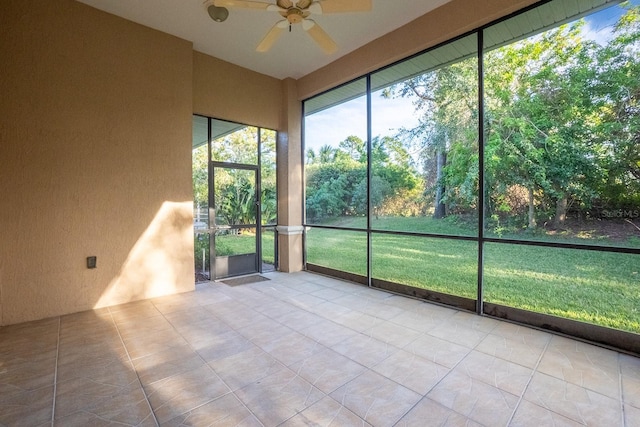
(302, 349)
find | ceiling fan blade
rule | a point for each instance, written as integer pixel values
(284, 4)
(303, 4)
(339, 6)
(244, 4)
(272, 36)
(320, 36)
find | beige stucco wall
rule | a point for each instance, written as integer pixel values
(226, 91)
(289, 152)
(95, 159)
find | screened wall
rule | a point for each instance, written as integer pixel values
(238, 214)
(498, 172)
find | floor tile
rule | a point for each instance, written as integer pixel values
(299, 320)
(363, 290)
(28, 340)
(278, 397)
(27, 408)
(530, 415)
(122, 400)
(84, 419)
(304, 301)
(152, 342)
(354, 302)
(411, 371)
(202, 333)
(390, 333)
(274, 309)
(583, 352)
(266, 329)
(530, 337)
(330, 310)
(327, 370)
(226, 411)
(178, 302)
(464, 329)
(496, 372)
(404, 303)
(184, 392)
(167, 363)
(302, 286)
(631, 391)
(583, 365)
(422, 320)
(246, 367)
(365, 350)
(630, 366)
(109, 367)
(92, 322)
(382, 311)
(631, 416)
(630, 370)
(133, 310)
(474, 399)
(577, 403)
(326, 413)
(235, 314)
(222, 345)
(328, 333)
(328, 293)
(522, 353)
(437, 350)
(276, 291)
(358, 321)
(144, 326)
(19, 374)
(430, 413)
(376, 399)
(185, 318)
(290, 348)
(355, 356)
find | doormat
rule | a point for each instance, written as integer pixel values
(236, 281)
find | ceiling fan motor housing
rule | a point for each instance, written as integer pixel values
(294, 15)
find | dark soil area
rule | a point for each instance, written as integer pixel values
(616, 230)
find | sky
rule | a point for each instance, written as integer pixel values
(389, 115)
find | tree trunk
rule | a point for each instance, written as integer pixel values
(532, 211)
(440, 208)
(561, 211)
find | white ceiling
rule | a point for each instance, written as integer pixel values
(234, 40)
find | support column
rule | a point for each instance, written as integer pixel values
(289, 152)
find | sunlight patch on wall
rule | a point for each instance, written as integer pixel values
(161, 261)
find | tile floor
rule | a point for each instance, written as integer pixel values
(299, 350)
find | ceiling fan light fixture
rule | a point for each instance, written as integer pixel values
(218, 14)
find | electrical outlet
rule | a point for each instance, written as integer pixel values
(92, 261)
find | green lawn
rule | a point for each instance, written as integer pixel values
(245, 243)
(597, 287)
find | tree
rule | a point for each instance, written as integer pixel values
(326, 154)
(618, 90)
(199, 170)
(543, 124)
(354, 148)
(311, 156)
(338, 187)
(446, 100)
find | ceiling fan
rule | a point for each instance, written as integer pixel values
(297, 12)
